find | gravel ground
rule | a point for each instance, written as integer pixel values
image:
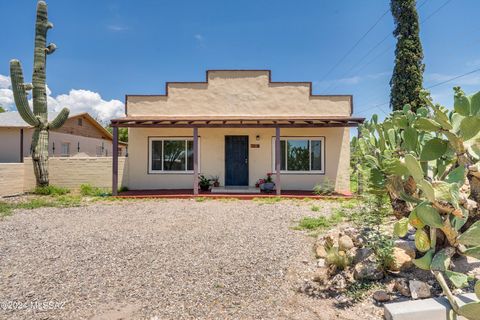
(176, 259)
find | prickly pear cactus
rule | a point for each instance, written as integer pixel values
(428, 162)
(38, 118)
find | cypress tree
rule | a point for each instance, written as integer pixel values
(407, 77)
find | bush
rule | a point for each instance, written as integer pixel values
(51, 191)
(89, 190)
(326, 187)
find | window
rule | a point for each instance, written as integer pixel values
(65, 150)
(301, 154)
(80, 121)
(170, 155)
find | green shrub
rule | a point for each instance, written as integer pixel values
(315, 208)
(89, 190)
(314, 223)
(51, 191)
(326, 187)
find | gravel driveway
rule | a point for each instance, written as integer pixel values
(176, 259)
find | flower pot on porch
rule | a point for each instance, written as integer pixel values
(267, 186)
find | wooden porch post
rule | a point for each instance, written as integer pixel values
(359, 174)
(277, 161)
(115, 162)
(195, 161)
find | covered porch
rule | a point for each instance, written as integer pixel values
(278, 124)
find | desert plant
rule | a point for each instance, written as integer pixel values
(326, 187)
(428, 162)
(38, 118)
(204, 183)
(89, 190)
(51, 190)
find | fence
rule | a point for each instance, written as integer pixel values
(64, 172)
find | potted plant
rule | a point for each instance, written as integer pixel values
(216, 183)
(267, 184)
(204, 183)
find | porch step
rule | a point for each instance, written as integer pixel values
(235, 190)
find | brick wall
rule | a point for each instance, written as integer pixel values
(64, 172)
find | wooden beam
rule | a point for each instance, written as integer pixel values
(195, 161)
(115, 162)
(238, 125)
(277, 161)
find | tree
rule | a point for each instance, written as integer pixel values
(2, 109)
(407, 77)
(122, 133)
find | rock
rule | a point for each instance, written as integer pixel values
(345, 243)
(411, 237)
(381, 296)
(321, 263)
(401, 286)
(361, 255)
(351, 232)
(320, 251)
(419, 289)
(367, 270)
(402, 260)
(407, 245)
(331, 240)
(338, 282)
(321, 275)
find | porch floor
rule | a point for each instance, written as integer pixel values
(246, 195)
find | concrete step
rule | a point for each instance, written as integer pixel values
(235, 189)
(426, 309)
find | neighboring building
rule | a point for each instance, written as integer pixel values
(81, 135)
(235, 120)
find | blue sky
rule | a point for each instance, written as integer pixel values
(109, 48)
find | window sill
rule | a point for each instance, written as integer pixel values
(171, 172)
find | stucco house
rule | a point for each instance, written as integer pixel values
(238, 125)
(81, 135)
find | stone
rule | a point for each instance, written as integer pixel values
(381, 296)
(367, 270)
(434, 308)
(321, 275)
(401, 286)
(345, 243)
(351, 232)
(320, 251)
(419, 289)
(402, 260)
(321, 263)
(361, 255)
(407, 245)
(338, 282)
(331, 239)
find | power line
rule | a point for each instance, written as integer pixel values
(354, 46)
(349, 71)
(432, 86)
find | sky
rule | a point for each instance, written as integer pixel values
(109, 48)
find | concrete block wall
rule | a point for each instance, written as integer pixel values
(11, 178)
(64, 172)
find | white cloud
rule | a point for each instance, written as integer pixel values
(4, 82)
(200, 39)
(77, 100)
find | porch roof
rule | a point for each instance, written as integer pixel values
(236, 121)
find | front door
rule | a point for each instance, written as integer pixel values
(236, 160)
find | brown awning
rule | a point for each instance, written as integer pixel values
(235, 122)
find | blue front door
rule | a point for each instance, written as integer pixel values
(236, 160)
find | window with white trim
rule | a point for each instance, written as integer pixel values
(65, 149)
(301, 154)
(170, 155)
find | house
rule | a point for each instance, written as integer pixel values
(81, 135)
(238, 125)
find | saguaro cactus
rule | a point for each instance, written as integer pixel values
(38, 118)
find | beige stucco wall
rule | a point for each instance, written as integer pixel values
(9, 145)
(239, 93)
(11, 178)
(212, 157)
